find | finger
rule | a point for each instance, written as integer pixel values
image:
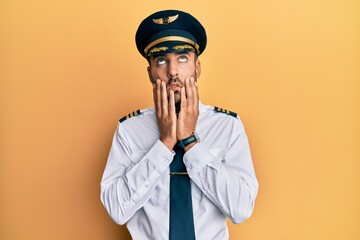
(164, 99)
(154, 93)
(183, 104)
(190, 92)
(196, 93)
(172, 110)
(158, 97)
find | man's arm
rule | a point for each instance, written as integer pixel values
(128, 183)
(228, 180)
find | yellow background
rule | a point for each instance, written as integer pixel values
(70, 69)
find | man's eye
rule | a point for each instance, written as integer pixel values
(160, 61)
(183, 59)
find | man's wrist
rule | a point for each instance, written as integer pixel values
(187, 141)
(168, 143)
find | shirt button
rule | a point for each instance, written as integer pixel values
(147, 184)
(189, 166)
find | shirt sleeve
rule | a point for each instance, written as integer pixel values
(228, 179)
(128, 182)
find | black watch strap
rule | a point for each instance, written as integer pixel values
(184, 142)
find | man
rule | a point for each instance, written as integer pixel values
(178, 170)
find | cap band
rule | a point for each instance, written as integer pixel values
(171, 38)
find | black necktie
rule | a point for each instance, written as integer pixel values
(181, 212)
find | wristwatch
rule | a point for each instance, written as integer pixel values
(184, 142)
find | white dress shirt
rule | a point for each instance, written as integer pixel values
(136, 180)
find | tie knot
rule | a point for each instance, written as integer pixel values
(177, 148)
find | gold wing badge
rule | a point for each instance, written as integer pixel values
(166, 20)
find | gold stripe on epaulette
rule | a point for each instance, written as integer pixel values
(222, 110)
(130, 115)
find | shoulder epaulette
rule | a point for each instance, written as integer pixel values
(222, 110)
(130, 115)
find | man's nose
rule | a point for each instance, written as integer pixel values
(172, 69)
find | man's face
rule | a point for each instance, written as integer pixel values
(173, 69)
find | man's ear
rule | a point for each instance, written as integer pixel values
(148, 70)
(198, 68)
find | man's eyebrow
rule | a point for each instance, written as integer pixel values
(159, 55)
(153, 58)
(182, 52)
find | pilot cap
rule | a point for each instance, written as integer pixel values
(170, 31)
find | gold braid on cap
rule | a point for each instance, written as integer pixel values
(158, 49)
(183, 47)
(171, 38)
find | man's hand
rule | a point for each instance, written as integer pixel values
(165, 114)
(189, 110)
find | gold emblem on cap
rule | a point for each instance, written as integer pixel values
(166, 20)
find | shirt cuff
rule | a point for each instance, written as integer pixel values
(197, 157)
(160, 156)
